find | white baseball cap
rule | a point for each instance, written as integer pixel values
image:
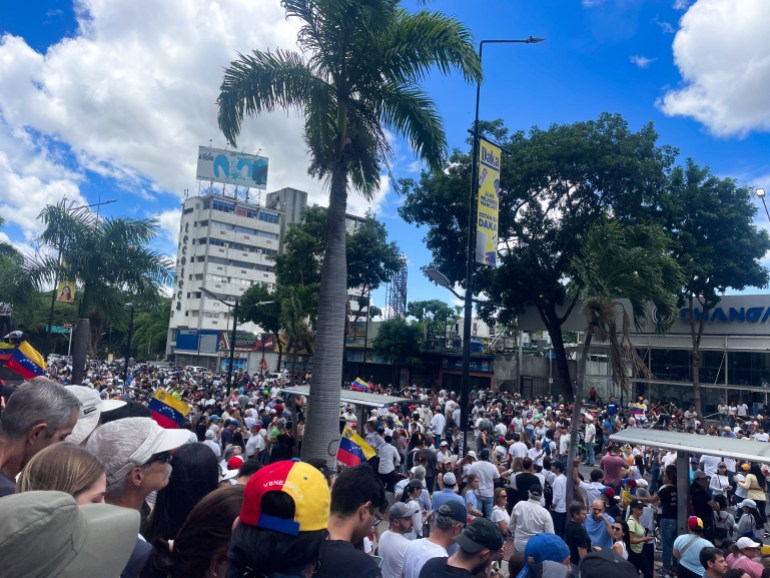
(92, 406)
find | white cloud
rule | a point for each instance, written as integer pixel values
(168, 223)
(130, 97)
(591, 3)
(725, 72)
(666, 27)
(358, 205)
(681, 4)
(641, 61)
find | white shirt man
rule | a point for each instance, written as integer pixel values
(536, 453)
(518, 449)
(743, 409)
(438, 424)
(564, 441)
(392, 543)
(389, 458)
(256, 443)
(529, 518)
(590, 433)
(487, 473)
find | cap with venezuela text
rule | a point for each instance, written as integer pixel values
(307, 487)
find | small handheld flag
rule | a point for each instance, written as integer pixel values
(353, 449)
(361, 385)
(168, 411)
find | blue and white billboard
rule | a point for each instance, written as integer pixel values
(232, 168)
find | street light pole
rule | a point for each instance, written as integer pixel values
(465, 385)
(128, 345)
(761, 194)
(234, 307)
(232, 348)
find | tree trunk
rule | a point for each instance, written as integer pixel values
(322, 429)
(695, 359)
(80, 342)
(553, 326)
(577, 407)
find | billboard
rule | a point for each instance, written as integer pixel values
(232, 168)
(487, 208)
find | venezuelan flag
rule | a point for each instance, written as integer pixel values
(168, 411)
(360, 385)
(353, 449)
(24, 360)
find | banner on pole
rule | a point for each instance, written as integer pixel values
(487, 208)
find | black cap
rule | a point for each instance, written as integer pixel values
(455, 510)
(480, 534)
(636, 504)
(536, 491)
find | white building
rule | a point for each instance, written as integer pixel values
(225, 246)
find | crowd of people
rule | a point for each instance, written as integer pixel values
(226, 495)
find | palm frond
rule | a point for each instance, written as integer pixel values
(262, 82)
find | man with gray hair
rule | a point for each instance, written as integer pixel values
(38, 414)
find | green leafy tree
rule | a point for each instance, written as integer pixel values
(108, 259)
(399, 343)
(17, 286)
(616, 261)
(434, 315)
(357, 73)
(268, 317)
(371, 258)
(715, 243)
(151, 330)
(555, 185)
(298, 302)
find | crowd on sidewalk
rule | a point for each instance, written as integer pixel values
(94, 486)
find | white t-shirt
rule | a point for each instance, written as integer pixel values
(743, 410)
(500, 515)
(518, 450)
(710, 464)
(417, 553)
(487, 473)
(391, 548)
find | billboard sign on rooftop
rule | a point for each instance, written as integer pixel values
(231, 168)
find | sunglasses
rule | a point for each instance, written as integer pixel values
(617, 528)
(164, 457)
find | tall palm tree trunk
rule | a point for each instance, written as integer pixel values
(322, 430)
(80, 342)
(576, 409)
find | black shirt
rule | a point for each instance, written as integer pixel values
(439, 568)
(340, 559)
(575, 536)
(700, 499)
(524, 481)
(668, 507)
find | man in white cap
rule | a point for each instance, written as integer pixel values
(92, 406)
(135, 452)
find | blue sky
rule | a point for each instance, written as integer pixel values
(110, 98)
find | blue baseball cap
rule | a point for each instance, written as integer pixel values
(544, 547)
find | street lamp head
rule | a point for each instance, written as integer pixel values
(534, 39)
(438, 277)
(761, 193)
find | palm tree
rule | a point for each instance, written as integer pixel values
(617, 261)
(17, 288)
(108, 259)
(357, 73)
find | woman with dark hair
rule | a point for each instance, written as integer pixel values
(195, 473)
(200, 548)
(750, 523)
(282, 523)
(621, 539)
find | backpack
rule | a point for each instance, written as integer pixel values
(548, 494)
(603, 563)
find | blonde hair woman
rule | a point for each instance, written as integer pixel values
(66, 468)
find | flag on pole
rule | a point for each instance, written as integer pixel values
(353, 449)
(361, 385)
(23, 359)
(168, 411)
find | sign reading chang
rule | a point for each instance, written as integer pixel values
(232, 168)
(728, 314)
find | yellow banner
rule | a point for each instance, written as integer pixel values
(66, 291)
(487, 209)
